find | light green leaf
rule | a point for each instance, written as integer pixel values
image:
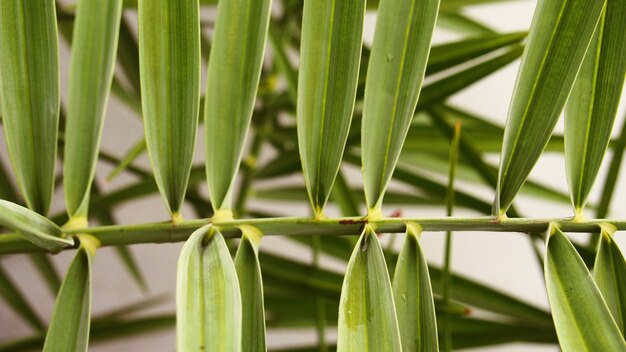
(208, 302)
(332, 36)
(251, 286)
(394, 78)
(610, 275)
(34, 227)
(367, 314)
(582, 320)
(16, 300)
(559, 36)
(413, 296)
(458, 22)
(29, 94)
(169, 57)
(94, 45)
(69, 326)
(234, 71)
(592, 106)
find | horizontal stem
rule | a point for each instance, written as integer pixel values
(166, 232)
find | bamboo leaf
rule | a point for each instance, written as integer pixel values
(233, 77)
(169, 57)
(29, 94)
(394, 78)
(329, 70)
(448, 55)
(559, 36)
(16, 300)
(458, 22)
(610, 276)
(208, 302)
(591, 109)
(583, 321)
(69, 325)
(367, 314)
(34, 227)
(251, 286)
(413, 296)
(94, 45)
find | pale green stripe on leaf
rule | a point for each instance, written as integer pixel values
(208, 302)
(29, 94)
(412, 293)
(367, 314)
(251, 287)
(234, 71)
(591, 109)
(610, 275)
(69, 326)
(330, 53)
(582, 320)
(169, 57)
(394, 79)
(559, 36)
(94, 47)
(34, 227)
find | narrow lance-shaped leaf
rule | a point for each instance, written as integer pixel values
(169, 57)
(559, 36)
(582, 320)
(251, 286)
(34, 227)
(367, 314)
(394, 78)
(610, 275)
(208, 302)
(94, 46)
(233, 77)
(332, 36)
(29, 95)
(413, 296)
(69, 326)
(592, 106)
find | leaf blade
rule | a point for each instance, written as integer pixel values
(328, 78)
(394, 78)
(366, 293)
(581, 317)
(208, 302)
(592, 107)
(169, 57)
(609, 273)
(233, 77)
(412, 293)
(94, 46)
(29, 88)
(542, 87)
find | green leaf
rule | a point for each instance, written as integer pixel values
(169, 57)
(208, 302)
(16, 300)
(251, 286)
(367, 314)
(610, 275)
(583, 321)
(330, 53)
(69, 325)
(94, 45)
(445, 56)
(559, 36)
(29, 94)
(413, 296)
(34, 227)
(458, 22)
(591, 109)
(394, 78)
(234, 71)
